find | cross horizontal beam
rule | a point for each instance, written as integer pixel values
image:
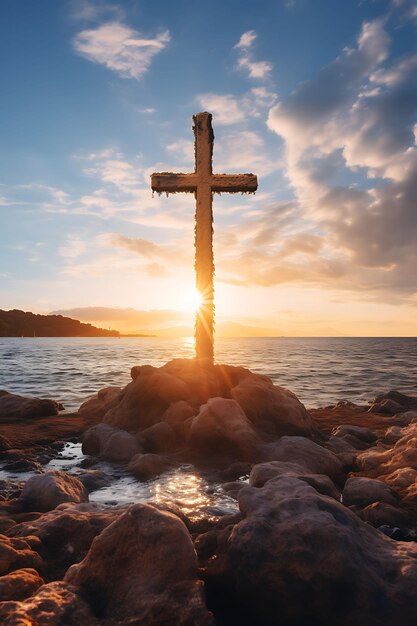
(230, 183)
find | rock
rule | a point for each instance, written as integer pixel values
(66, 533)
(54, 604)
(19, 584)
(110, 444)
(382, 513)
(360, 491)
(144, 401)
(46, 491)
(143, 569)
(392, 403)
(359, 432)
(177, 414)
(148, 466)
(16, 553)
(314, 459)
(380, 460)
(263, 472)
(158, 438)
(271, 409)
(392, 435)
(5, 443)
(13, 405)
(299, 557)
(94, 479)
(97, 406)
(221, 428)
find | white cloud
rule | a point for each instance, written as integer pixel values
(255, 69)
(120, 48)
(226, 109)
(356, 118)
(73, 247)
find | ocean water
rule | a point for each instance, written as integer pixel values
(320, 371)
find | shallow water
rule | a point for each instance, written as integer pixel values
(183, 487)
(320, 371)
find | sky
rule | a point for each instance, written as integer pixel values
(317, 98)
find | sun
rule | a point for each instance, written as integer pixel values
(193, 300)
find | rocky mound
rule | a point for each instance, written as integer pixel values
(325, 534)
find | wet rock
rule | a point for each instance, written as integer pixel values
(359, 432)
(296, 544)
(47, 491)
(19, 584)
(13, 405)
(94, 479)
(314, 459)
(16, 553)
(66, 533)
(361, 491)
(221, 428)
(54, 604)
(110, 444)
(97, 406)
(148, 466)
(271, 409)
(143, 567)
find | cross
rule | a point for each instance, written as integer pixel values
(203, 183)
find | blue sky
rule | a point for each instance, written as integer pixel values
(316, 97)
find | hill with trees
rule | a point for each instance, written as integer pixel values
(17, 323)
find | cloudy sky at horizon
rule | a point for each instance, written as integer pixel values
(316, 97)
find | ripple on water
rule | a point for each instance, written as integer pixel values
(183, 487)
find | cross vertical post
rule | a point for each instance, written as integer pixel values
(202, 182)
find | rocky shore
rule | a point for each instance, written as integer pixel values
(324, 530)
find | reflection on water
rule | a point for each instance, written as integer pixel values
(182, 487)
(320, 371)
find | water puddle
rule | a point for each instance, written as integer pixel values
(183, 487)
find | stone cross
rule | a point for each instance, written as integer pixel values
(203, 183)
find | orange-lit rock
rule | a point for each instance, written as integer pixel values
(46, 491)
(19, 584)
(143, 569)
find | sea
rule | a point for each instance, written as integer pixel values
(320, 371)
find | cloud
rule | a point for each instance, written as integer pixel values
(120, 48)
(356, 120)
(228, 109)
(254, 69)
(73, 247)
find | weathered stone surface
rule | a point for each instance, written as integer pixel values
(54, 604)
(263, 472)
(143, 567)
(66, 533)
(19, 584)
(273, 410)
(160, 437)
(47, 491)
(222, 428)
(5, 443)
(110, 444)
(358, 432)
(13, 405)
(302, 558)
(97, 406)
(361, 491)
(16, 553)
(94, 479)
(392, 403)
(147, 466)
(144, 401)
(381, 513)
(314, 459)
